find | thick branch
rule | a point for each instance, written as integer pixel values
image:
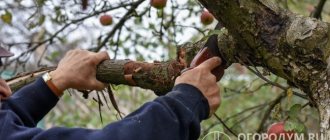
(157, 76)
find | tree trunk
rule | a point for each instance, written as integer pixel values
(291, 46)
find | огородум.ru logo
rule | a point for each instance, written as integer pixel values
(217, 135)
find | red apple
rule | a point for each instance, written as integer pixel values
(159, 4)
(106, 20)
(207, 18)
(276, 132)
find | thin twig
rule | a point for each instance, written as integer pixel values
(238, 114)
(118, 25)
(317, 13)
(53, 36)
(225, 125)
(99, 103)
(256, 72)
(269, 110)
(113, 101)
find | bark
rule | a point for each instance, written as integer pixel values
(291, 46)
(158, 76)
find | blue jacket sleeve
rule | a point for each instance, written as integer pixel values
(176, 116)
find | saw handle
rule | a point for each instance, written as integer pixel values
(202, 56)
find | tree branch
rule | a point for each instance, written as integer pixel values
(158, 76)
(318, 11)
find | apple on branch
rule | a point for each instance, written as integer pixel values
(158, 4)
(207, 18)
(106, 20)
(277, 132)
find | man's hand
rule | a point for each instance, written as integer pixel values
(202, 78)
(78, 70)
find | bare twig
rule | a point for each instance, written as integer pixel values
(53, 36)
(256, 72)
(224, 124)
(238, 114)
(113, 101)
(100, 104)
(317, 13)
(269, 110)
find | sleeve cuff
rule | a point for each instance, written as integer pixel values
(192, 98)
(33, 101)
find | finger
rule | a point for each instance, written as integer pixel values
(5, 88)
(211, 63)
(5, 92)
(102, 56)
(68, 53)
(97, 85)
(4, 84)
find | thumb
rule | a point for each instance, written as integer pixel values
(211, 63)
(100, 56)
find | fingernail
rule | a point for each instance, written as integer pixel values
(218, 59)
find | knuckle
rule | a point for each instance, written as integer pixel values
(94, 62)
(76, 50)
(91, 60)
(69, 52)
(200, 70)
(196, 69)
(178, 78)
(105, 55)
(215, 102)
(212, 77)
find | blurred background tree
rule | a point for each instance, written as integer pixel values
(39, 32)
